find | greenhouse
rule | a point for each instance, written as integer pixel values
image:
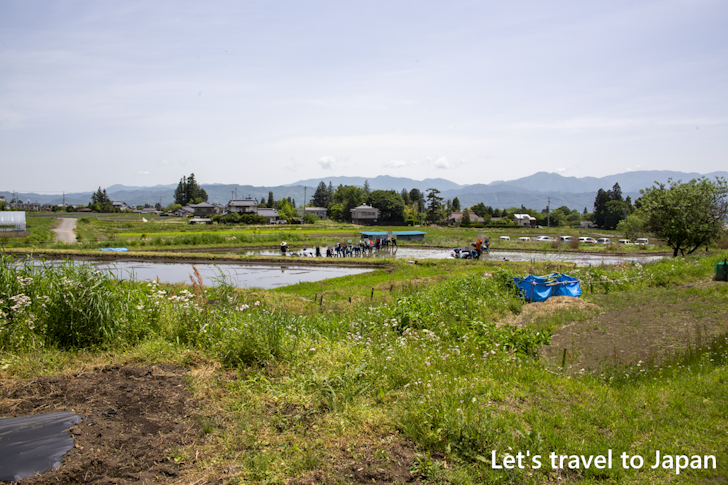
(12, 221)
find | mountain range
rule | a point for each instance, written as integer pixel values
(533, 191)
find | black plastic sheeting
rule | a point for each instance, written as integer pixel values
(30, 445)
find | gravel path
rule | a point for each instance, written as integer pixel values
(64, 231)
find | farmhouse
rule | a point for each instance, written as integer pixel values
(320, 212)
(364, 214)
(456, 217)
(244, 206)
(525, 220)
(203, 209)
(270, 214)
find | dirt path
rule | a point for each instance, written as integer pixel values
(64, 231)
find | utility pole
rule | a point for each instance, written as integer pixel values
(548, 213)
(304, 196)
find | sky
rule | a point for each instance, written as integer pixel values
(267, 93)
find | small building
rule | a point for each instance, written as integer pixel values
(244, 206)
(270, 214)
(587, 225)
(524, 220)
(184, 211)
(320, 212)
(456, 217)
(12, 221)
(399, 235)
(364, 214)
(120, 205)
(203, 209)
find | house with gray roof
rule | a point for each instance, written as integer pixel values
(244, 206)
(364, 214)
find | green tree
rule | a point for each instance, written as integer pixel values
(405, 197)
(349, 197)
(465, 220)
(321, 196)
(633, 227)
(286, 210)
(188, 191)
(434, 205)
(367, 188)
(481, 210)
(456, 205)
(271, 201)
(686, 215)
(100, 202)
(614, 212)
(389, 203)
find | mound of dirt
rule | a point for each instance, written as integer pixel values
(553, 304)
(556, 303)
(134, 417)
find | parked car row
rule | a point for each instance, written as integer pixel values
(583, 239)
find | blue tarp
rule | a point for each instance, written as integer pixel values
(541, 288)
(113, 249)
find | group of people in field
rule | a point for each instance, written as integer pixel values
(480, 245)
(365, 247)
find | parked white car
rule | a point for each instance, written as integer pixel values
(588, 240)
(505, 238)
(642, 241)
(543, 238)
(565, 238)
(624, 241)
(524, 239)
(603, 240)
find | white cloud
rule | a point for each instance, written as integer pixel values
(327, 163)
(164, 162)
(399, 163)
(561, 170)
(442, 163)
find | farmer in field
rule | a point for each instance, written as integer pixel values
(284, 248)
(478, 248)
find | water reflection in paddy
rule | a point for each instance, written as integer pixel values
(241, 276)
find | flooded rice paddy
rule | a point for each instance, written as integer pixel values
(238, 275)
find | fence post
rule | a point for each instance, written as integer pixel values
(372, 294)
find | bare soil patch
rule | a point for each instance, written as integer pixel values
(648, 326)
(135, 417)
(531, 311)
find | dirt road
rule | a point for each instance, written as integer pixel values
(64, 231)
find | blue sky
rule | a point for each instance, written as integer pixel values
(267, 93)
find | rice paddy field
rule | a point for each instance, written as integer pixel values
(438, 372)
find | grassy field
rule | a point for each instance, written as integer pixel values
(431, 373)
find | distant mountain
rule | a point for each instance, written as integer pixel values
(383, 182)
(532, 191)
